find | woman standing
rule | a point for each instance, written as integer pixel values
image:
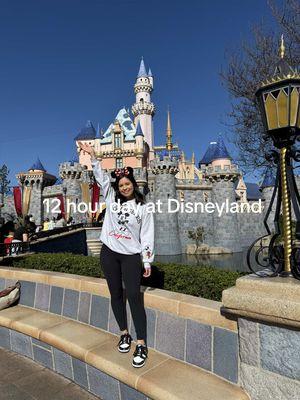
(127, 232)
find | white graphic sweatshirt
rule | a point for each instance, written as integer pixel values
(128, 228)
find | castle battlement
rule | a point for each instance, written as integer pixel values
(168, 165)
(218, 172)
(144, 107)
(71, 170)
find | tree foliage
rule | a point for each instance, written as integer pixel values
(246, 68)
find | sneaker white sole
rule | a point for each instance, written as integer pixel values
(124, 350)
(138, 366)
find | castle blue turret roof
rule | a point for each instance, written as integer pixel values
(139, 131)
(220, 150)
(215, 151)
(142, 70)
(150, 72)
(269, 178)
(87, 133)
(208, 156)
(37, 165)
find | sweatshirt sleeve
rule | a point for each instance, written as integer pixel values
(102, 177)
(147, 237)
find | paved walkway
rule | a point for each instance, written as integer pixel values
(24, 379)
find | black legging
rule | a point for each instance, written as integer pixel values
(129, 267)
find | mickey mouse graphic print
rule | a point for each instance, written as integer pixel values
(128, 228)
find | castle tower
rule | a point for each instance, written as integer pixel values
(143, 109)
(223, 174)
(73, 174)
(167, 241)
(35, 180)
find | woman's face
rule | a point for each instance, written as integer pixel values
(126, 188)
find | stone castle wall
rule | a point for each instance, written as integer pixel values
(230, 231)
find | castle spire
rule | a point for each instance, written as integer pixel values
(182, 156)
(169, 144)
(98, 135)
(142, 70)
(282, 47)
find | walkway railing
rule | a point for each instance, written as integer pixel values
(14, 249)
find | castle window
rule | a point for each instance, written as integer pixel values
(119, 162)
(117, 140)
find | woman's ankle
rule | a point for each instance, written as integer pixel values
(125, 331)
(141, 341)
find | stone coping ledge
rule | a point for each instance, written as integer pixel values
(98, 348)
(274, 300)
(182, 305)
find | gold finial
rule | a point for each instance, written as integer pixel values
(182, 156)
(169, 132)
(193, 158)
(282, 47)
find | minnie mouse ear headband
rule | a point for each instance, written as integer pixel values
(122, 172)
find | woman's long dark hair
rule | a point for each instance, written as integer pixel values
(139, 197)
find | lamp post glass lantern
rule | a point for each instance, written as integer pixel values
(279, 102)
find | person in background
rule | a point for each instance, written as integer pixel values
(46, 224)
(21, 235)
(60, 222)
(7, 241)
(70, 221)
(52, 224)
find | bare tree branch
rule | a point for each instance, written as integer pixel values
(246, 68)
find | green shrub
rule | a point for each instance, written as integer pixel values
(60, 262)
(200, 281)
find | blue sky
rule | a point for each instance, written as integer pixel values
(64, 62)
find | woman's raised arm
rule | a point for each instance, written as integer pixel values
(101, 176)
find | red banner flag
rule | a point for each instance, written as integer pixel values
(61, 205)
(18, 200)
(95, 197)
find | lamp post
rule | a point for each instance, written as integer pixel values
(279, 103)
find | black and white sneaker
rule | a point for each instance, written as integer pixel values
(124, 343)
(139, 356)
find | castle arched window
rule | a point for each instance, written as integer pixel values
(119, 162)
(117, 140)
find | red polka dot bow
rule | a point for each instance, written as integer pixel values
(120, 172)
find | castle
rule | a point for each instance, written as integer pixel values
(162, 172)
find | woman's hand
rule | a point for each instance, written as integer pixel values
(88, 149)
(147, 272)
